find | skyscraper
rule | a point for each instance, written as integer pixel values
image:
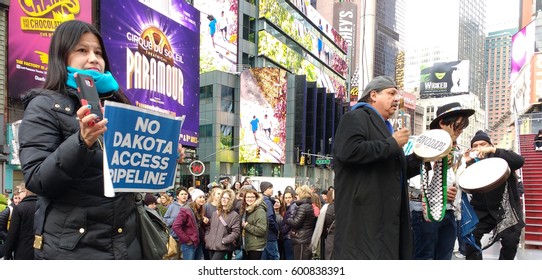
(496, 71)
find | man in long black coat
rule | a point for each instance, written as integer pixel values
(371, 204)
(20, 241)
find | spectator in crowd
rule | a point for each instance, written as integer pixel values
(254, 223)
(302, 224)
(20, 239)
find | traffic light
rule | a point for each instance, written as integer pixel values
(258, 152)
(302, 160)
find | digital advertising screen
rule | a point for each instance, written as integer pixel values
(35, 22)
(154, 53)
(263, 116)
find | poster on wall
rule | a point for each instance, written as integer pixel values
(153, 50)
(219, 32)
(263, 116)
(35, 22)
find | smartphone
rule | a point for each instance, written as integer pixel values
(88, 94)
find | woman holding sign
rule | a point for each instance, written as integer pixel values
(61, 156)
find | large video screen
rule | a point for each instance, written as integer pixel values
(283, 55)
(263, 116)
(153, 51)
(219, 32)
(523, 47)
(31, 25)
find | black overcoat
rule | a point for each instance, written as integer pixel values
(371, 204)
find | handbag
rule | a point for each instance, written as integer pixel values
(152, 232)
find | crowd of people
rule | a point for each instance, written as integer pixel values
(61, 213)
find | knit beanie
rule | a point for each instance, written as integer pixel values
(149, 199)
(265, 186)
(480, 135)
(196, 193)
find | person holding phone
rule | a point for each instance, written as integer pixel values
(62, 159)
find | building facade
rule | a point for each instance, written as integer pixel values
(497, 72)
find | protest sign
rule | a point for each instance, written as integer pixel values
(140, 149)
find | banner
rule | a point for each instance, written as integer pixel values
(140, 149)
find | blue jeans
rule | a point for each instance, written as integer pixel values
(288, 249)
(434, 240)
(191, 252)
(271, 251)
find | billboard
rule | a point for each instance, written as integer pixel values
(296, 63)
(345, 22)
(263, 116)
(153, 50)
(444, 79)
(304, 6)
(219, 32)
(31, 25)
(526, 89)
(308, 37)
(523, 46)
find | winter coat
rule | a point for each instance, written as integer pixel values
(371, 202)
(20, 241)
(79, 222)
(329, 231)
(255, 237)
(272, 225)
(487, 204)
(171, 214)
(187, 228)
(303, 222)
(219, 237)
(284, 227)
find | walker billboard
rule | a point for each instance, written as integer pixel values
(153, 50)
(31, 25)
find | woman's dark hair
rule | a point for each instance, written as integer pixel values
(66, 36)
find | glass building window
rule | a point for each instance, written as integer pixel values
(226, 99)
(206, 92)
(249, 28)
(206, 130)
(226, 136)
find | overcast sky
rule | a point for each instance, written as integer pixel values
(501, 14)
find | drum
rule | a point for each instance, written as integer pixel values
(484, 176)
(433, 144)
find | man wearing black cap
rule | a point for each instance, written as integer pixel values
(372, 218)
(496, 207)
(434, 224)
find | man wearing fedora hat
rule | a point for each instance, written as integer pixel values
(498, 209)
(372, 218)
(434, 235)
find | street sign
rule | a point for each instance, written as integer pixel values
(197, 168)
(323, 161)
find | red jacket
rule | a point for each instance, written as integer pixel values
(186, 227)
